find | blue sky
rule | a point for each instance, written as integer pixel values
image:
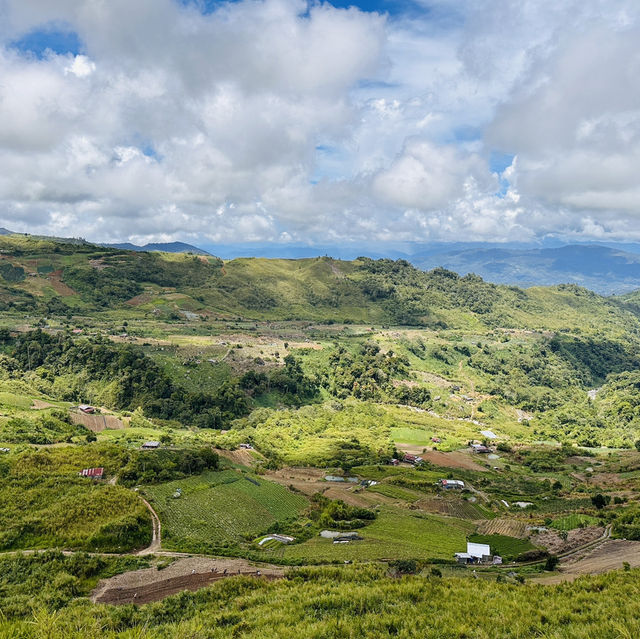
(52, 38)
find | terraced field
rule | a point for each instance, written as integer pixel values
(397, 534)
(219, 507)
(509, 527)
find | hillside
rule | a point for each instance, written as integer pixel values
(599, 268)
(162, 247)
(54, 277)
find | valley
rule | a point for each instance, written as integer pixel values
(342, 428)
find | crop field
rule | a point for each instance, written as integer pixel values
(219, 507)
(577, 520)
(460, 508)
(396, 533)
(380, 472)
(506, 547)
(563, 505)
(506, 527)
(395, 492)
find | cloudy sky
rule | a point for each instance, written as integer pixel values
(287, 121)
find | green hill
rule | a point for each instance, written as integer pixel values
(54, 278)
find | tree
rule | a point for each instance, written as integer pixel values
(600, 501)
(551, 563)
(637, 445)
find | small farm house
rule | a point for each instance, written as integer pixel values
(476, 554)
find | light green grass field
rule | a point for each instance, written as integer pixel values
(574, 521)
(219, 507)
(396, 533)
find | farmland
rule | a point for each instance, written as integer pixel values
(395, 533)
(221, 508)
(576, 520)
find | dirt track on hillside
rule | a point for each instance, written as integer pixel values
(608, 556)
(193, 573)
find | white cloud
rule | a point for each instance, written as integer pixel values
(264, 121)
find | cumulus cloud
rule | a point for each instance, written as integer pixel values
(278, 120)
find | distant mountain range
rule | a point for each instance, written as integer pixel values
(605, 269)
(602, 269)
(165, 247)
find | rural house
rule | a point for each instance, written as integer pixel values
(477, 554)
(449, 484)
(479, 448)
(94, 473)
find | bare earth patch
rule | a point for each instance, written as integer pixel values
(38, 404)
(455, 459)
(97, 423)
(193, 573)
(240, 456)
(551, 540)
(609, 556)
(55, 279)
(309, 481)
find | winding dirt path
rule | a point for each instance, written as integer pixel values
(156, 537)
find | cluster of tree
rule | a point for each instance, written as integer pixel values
(11, 273)
(293, 386)
(368, 374)
(120, 275)
(137, 380)
(336, 515)
(152, 467)
(44, 429)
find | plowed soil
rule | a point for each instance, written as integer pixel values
(452, 460)
(193, 573)
(551, 540)
(97, 423)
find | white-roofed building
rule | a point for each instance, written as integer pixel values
(476, 554)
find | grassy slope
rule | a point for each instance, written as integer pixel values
(361, 603)
(314, 289)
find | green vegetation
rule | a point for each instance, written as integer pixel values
(359, 602)
(576, 520)
(52, 580)
(292, 370)
(216, 510)
(395, 533)
(45, 504)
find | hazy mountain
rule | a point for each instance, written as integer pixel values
(599, 268)
(4, 231)
(165, 247)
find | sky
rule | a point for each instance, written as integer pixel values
(294, 122)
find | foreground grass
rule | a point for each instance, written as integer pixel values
(358, 602)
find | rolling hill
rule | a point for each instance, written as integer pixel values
(599, 268)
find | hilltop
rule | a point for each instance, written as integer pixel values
(58, 277)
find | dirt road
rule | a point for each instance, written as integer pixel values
(610, 555)
(156, 537)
